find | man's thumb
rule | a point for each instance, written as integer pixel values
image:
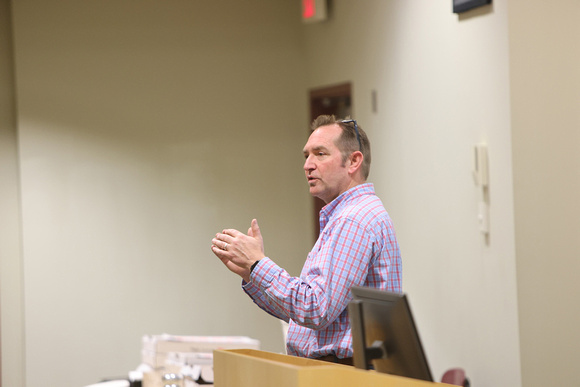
(255, 229)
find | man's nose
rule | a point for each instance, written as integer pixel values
(308, 164)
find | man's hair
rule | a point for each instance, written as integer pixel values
(347, 142)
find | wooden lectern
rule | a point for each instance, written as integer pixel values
(253, 368)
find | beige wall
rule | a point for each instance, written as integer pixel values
(545, 84)
(11, 305)
(145, 128)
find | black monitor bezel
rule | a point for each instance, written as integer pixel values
(406, 333)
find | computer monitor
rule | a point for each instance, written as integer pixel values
(384, 336)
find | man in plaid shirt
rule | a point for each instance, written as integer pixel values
(357, 246)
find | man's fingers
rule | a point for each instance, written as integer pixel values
(221, 242)
(231, 232)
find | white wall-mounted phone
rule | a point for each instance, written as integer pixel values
(480, 170)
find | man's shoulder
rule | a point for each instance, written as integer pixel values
(363, 208)
(360, 205)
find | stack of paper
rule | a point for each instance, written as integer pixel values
(191, 356)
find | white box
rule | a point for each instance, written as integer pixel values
(173, 354)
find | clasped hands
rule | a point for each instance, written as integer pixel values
(239, 251)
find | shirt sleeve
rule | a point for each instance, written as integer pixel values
(254, 292)
(339, 260)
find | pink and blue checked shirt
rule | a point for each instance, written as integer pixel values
(356, 247)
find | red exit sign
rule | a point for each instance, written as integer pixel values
(313, 10)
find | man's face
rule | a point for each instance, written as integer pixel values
(326, 173)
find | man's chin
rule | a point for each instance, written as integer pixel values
(315, 193)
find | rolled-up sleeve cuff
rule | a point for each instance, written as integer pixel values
(261, 277)
(250, 288)
(264, 273)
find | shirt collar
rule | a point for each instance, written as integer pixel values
(345, 197)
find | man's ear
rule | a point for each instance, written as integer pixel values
(356, 160)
